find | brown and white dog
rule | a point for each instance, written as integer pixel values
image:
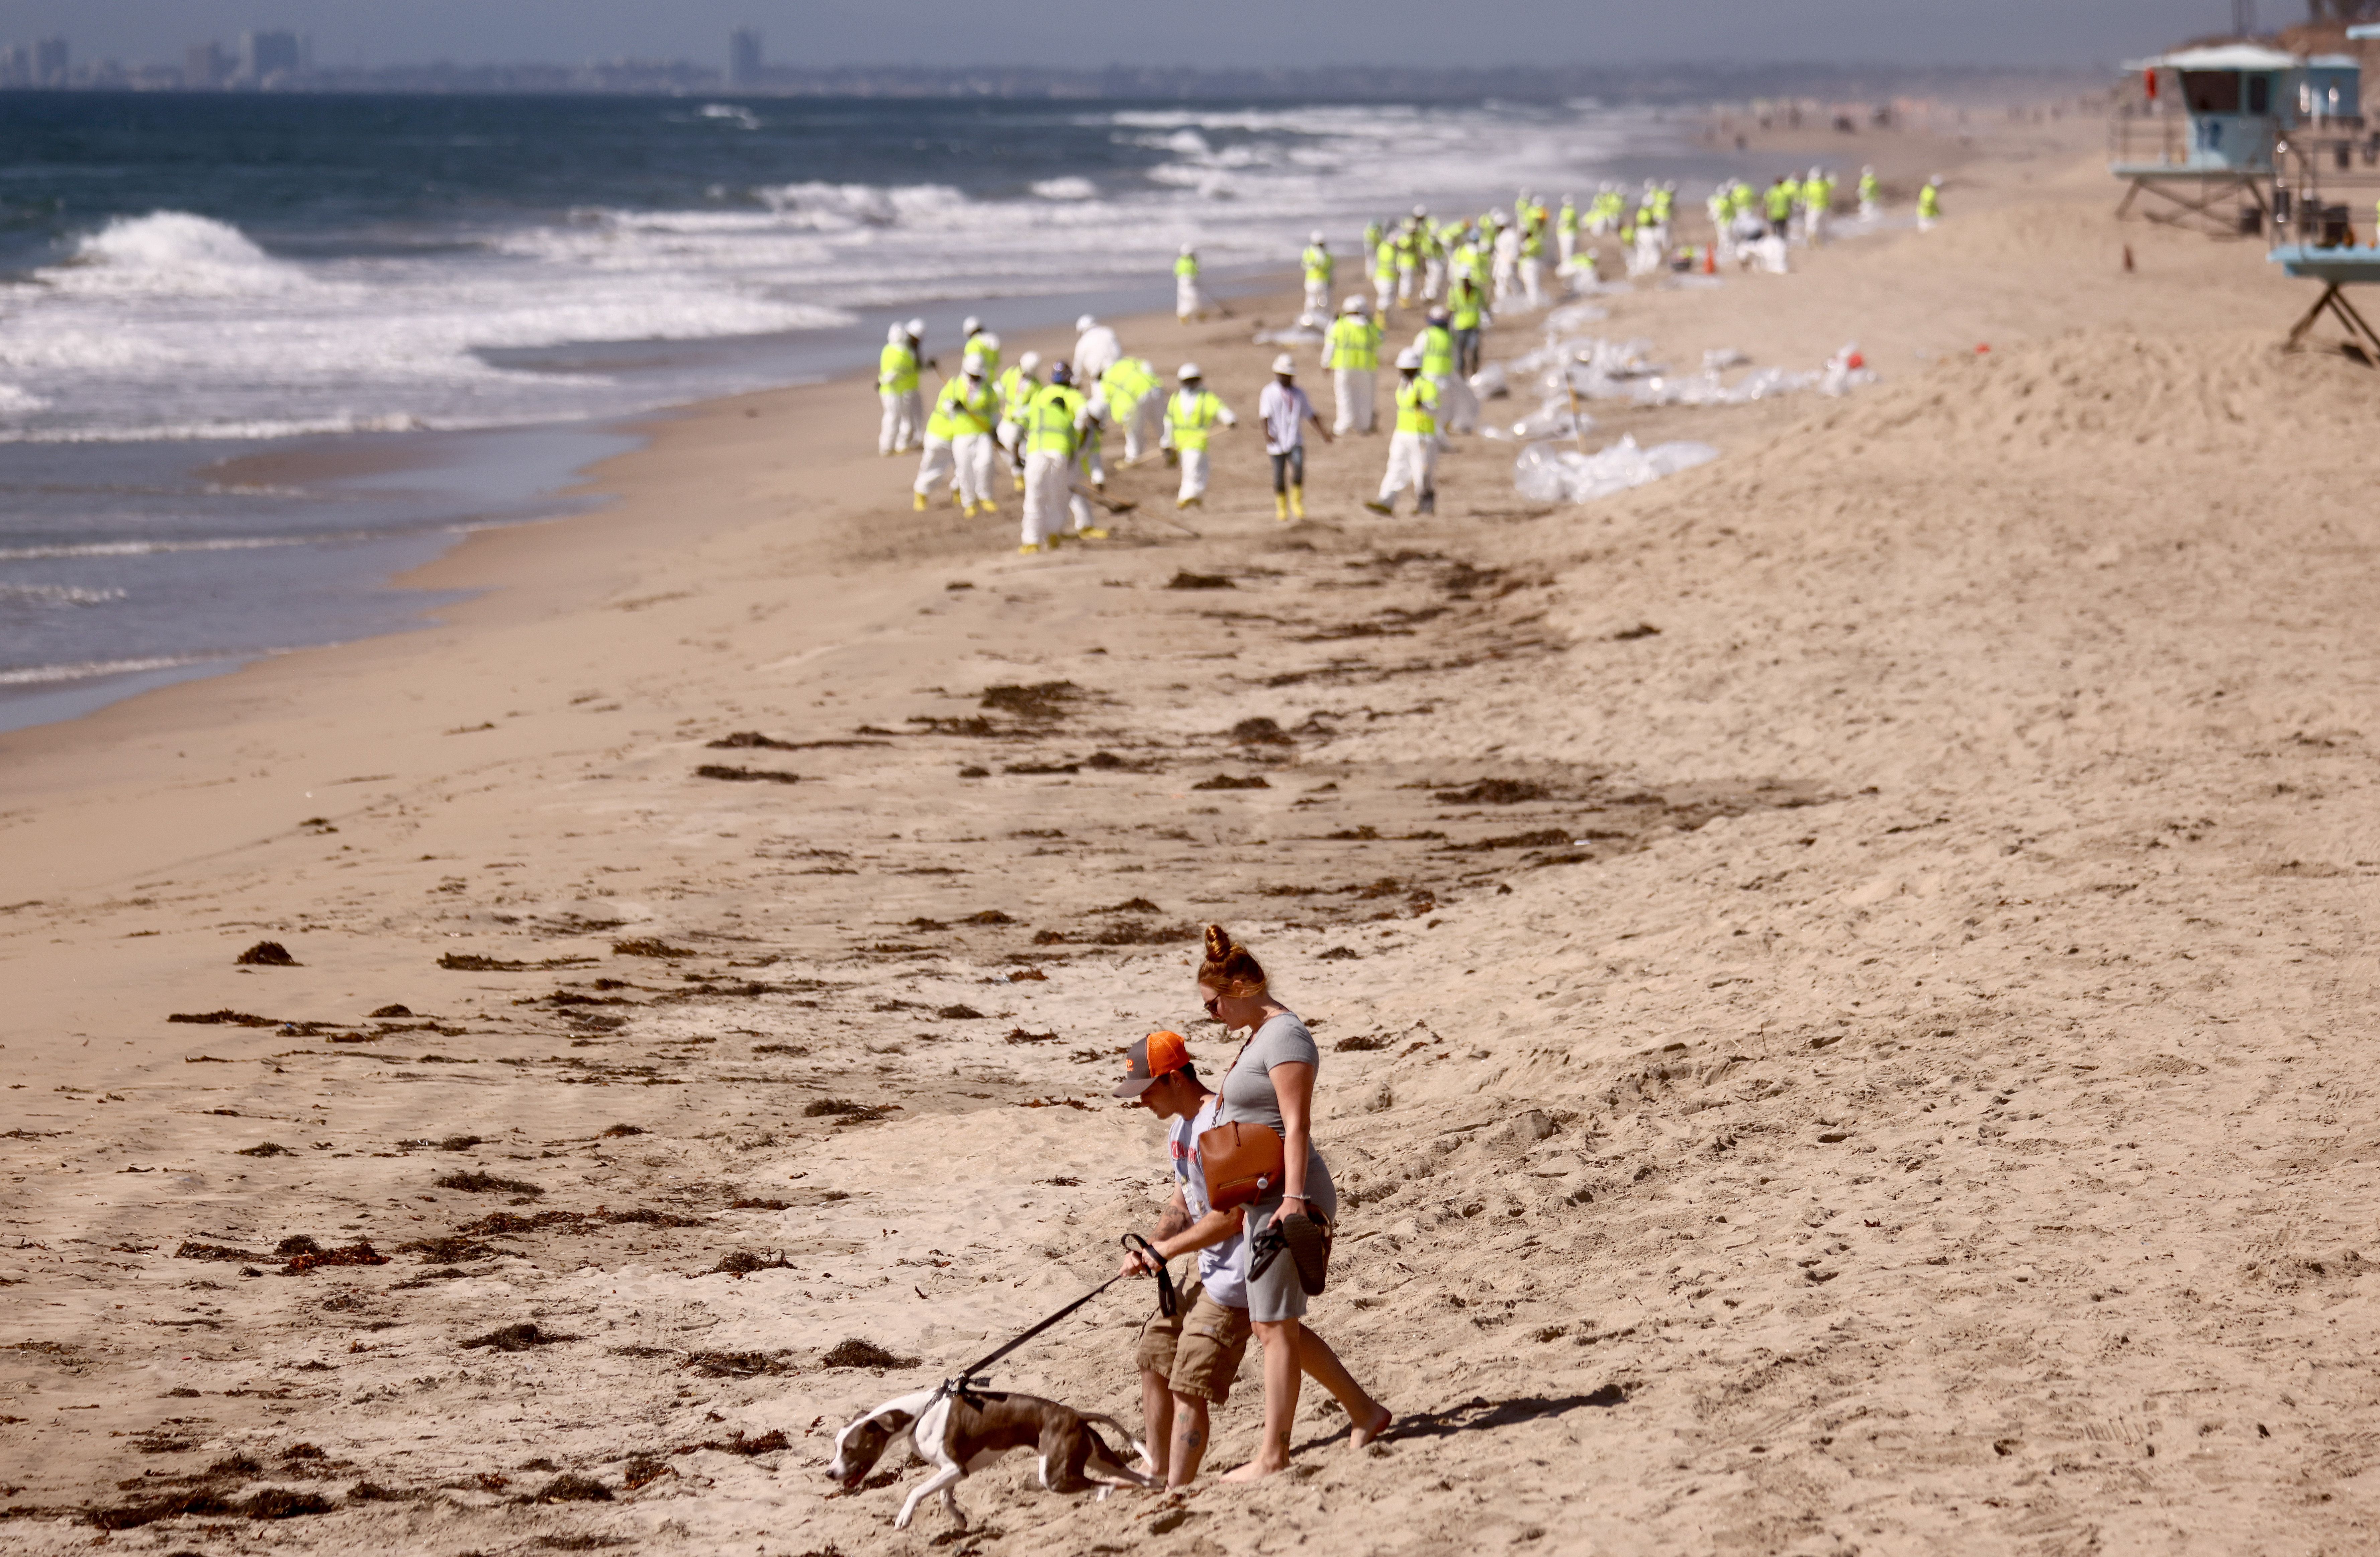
(958, 1434)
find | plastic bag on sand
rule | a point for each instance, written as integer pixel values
(1567, 319)
(1845, 372)
(1553, 419)
(1720, 357)
(1309, 330)
(1489, 383)
(1544, 473)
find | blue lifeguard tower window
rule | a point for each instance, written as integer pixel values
(2220, 92)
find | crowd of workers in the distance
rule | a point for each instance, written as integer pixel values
(1049, 433)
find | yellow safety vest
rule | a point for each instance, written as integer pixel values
(1018, 389)
(1467, 307)
(962, 408)
(1418, 407)
(1354, 344)
(991, 355)
(1929, 202)
(1437, 352)
(1050, 423)
(1186, 265)
(1123, 385)
(1869, 188)
(897, 370)
(1319, 265)
(1190, 415)
(1384, 259)
(1781, 201)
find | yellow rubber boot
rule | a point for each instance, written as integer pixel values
(918, 501)
(1297, 501)
(1281, 507)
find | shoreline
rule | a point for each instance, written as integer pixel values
(1837, 972)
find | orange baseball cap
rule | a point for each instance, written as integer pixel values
(1161, 1053)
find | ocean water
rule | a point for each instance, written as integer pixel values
(188, 279)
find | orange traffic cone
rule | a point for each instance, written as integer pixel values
(1710, 260)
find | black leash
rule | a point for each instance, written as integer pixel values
(1166, 1304)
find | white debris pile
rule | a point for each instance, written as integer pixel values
(1564, 371)
(1309, 329)
(1544, 473)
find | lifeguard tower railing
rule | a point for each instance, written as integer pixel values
(2202, 132)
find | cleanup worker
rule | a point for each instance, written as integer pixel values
(1130, 388)
(1566, 233)
(1929, 204)
(1352, 352)
(1189, 302)
(1284, 410)
(1017, 387)
(896, 387)
(1095, 350)
(1384, 275)
(1413, 451)
(1191, 415)
(1053, 434)
(1466, 315)
(1817, 200)
(1507, 271)
(958, 440)
(1458, 409)
(1318, 265)
(982, 342)
(1778, 206)
(1533, 263)
(1408, 243)
(1871, 193)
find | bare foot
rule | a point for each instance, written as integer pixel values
(1373, 1428)
(1255, 1470)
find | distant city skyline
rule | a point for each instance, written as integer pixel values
(168, 35)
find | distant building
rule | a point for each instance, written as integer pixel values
(16, 66)
(205, 66)
(49, 62)
(264, 56)
(744, 67)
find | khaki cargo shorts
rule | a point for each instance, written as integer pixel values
(1199, 1350)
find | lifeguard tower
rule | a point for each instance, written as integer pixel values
(2205, 131)
(2325, 183)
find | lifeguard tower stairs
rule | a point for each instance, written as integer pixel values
(2208, 134)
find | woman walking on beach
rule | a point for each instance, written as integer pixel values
(1271, 1082)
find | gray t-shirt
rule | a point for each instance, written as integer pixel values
(1249, 1096)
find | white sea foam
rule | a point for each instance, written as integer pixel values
(37, 676)
(172, 324)
(55, 594)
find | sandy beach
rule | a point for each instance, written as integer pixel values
(1838, 971)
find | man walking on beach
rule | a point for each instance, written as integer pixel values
(1318, 266)
(1130, 388)
(1053, 434)
(1189, 302)
(1352, 352)
(958, 440)
(1284, 410)
(1095, 350)
(1412, 451)
(896, 387)
(1188, 1362)
(1191, 416)
(1017, 387)
(1467, 314)
(1458, 409)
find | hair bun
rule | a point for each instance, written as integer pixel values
(1219, 942)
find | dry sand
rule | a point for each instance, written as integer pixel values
(1922, 1111)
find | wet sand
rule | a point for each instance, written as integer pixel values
(1874, 1062)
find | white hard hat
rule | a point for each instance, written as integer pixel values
(895, 335)
(915, 326)
(1353, 305)
(973, 365)
(1085, 323)
(971, 326)
(990, 342)
(1284, 363)
(1868, 167)
(1187, 372)
(1187, 249)
(1315, 236)
(1409, 358)
(1030, 361)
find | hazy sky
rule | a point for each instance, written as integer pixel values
(1154, 32)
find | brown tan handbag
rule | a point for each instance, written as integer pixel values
(1242, 1163)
